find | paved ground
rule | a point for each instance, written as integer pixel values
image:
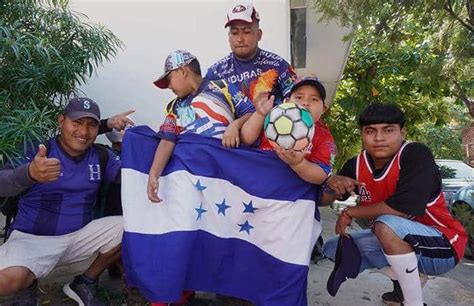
(454, 288)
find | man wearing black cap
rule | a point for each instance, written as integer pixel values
(252, 69)
(57, 185)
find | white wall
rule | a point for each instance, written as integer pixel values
(326, 53)
(151, 30)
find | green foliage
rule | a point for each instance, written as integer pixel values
(445, 140)
(464, 214)
(417, 54)
(46, 50)
(447, 172)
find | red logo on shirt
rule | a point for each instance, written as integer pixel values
(238, 9)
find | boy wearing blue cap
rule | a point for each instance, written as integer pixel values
(201, 107)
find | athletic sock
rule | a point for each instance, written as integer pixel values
(405, 267)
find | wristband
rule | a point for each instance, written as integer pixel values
(326, 188)
(345, 214)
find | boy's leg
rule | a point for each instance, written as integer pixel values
(400, 238)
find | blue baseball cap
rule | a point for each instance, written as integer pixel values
(81, 107)
(346, 265)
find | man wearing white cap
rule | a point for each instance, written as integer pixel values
(247, 64)
(254, 70)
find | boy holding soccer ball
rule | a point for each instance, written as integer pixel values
(312, 164)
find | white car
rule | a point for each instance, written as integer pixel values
(455, 174)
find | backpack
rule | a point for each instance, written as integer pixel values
(10, 204)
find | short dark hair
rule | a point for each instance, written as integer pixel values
(376, 113)
(195, 67)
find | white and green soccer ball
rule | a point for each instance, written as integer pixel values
(289, 126)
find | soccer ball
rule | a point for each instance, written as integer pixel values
(289, 126)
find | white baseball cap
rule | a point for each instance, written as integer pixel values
(245, 12)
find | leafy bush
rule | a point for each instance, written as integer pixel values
(447, 172)
(46, 51)
(465, 215)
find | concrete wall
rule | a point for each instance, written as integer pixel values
(326, 53)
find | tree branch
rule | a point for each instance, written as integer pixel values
(449, 8)
(461, 94)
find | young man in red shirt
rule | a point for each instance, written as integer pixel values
(399, 186)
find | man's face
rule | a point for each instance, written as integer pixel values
(308, 96)
(244, 38)
(178, 83)
(382, 141)
(77, 135)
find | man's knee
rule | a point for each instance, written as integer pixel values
(14, 279)
(383, 231)
(114, 252)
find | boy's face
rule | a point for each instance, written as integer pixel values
(382, 141)
(308, 97)
(178, 83)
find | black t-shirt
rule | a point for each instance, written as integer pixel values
(419, 181)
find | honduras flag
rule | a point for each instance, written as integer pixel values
(237, 222)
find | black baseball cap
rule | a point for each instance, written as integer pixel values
(82, 107)
(310, 80)
(346, 265)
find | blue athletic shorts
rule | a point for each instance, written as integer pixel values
(434, 252)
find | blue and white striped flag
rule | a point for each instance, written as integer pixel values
(237, 222)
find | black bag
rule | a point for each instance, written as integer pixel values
(10, 204)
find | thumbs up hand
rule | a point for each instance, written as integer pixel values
(43, 169)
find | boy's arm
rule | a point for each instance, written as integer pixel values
(306, 170)
(310, 172)
(162, 155)
(253, 126)
(231, 138)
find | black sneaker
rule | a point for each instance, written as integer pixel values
(395, 296)
(27, 296)
(83, 293)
